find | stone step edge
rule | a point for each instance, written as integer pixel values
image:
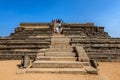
(53, 70)
(56, 58)
(61, 62)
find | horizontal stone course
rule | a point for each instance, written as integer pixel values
(57, 70)
(56, 58)
(61, 54)
(38, 36)
(22, 41)
(58, 64)
(60, 58)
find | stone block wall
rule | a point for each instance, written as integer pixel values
(100, 49)
(30, 37)
(25, 41)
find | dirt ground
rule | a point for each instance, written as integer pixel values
(107, 71)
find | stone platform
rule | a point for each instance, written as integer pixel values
(61, 57)
(29, 38)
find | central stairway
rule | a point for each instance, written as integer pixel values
(60, 50)
(61, 57)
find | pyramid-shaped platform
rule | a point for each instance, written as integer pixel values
(61, 57)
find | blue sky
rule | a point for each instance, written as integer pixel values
(102, 12)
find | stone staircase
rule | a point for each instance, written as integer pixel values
(60, 50)
(60, 58)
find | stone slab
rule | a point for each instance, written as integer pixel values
(56, 58)
(57, 70)
(59, 64)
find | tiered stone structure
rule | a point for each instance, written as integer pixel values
(27, 39)
(61, 57)
(31, 38)
(96, 42)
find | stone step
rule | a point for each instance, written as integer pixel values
(42, 50)
(60, 54)
(60, 38)
(41, 54)
(57, 70)
(60, 46)
(60, 42)
(44, 58)
(91, 70)
(60, 49)
(59, 64)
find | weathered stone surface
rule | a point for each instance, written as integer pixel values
(61, 58)
(25, 61)
(57, 70)
(42, 57)
(57, 64)
(31, 37)
(91, 70)
(25, 41)
(82, 55)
